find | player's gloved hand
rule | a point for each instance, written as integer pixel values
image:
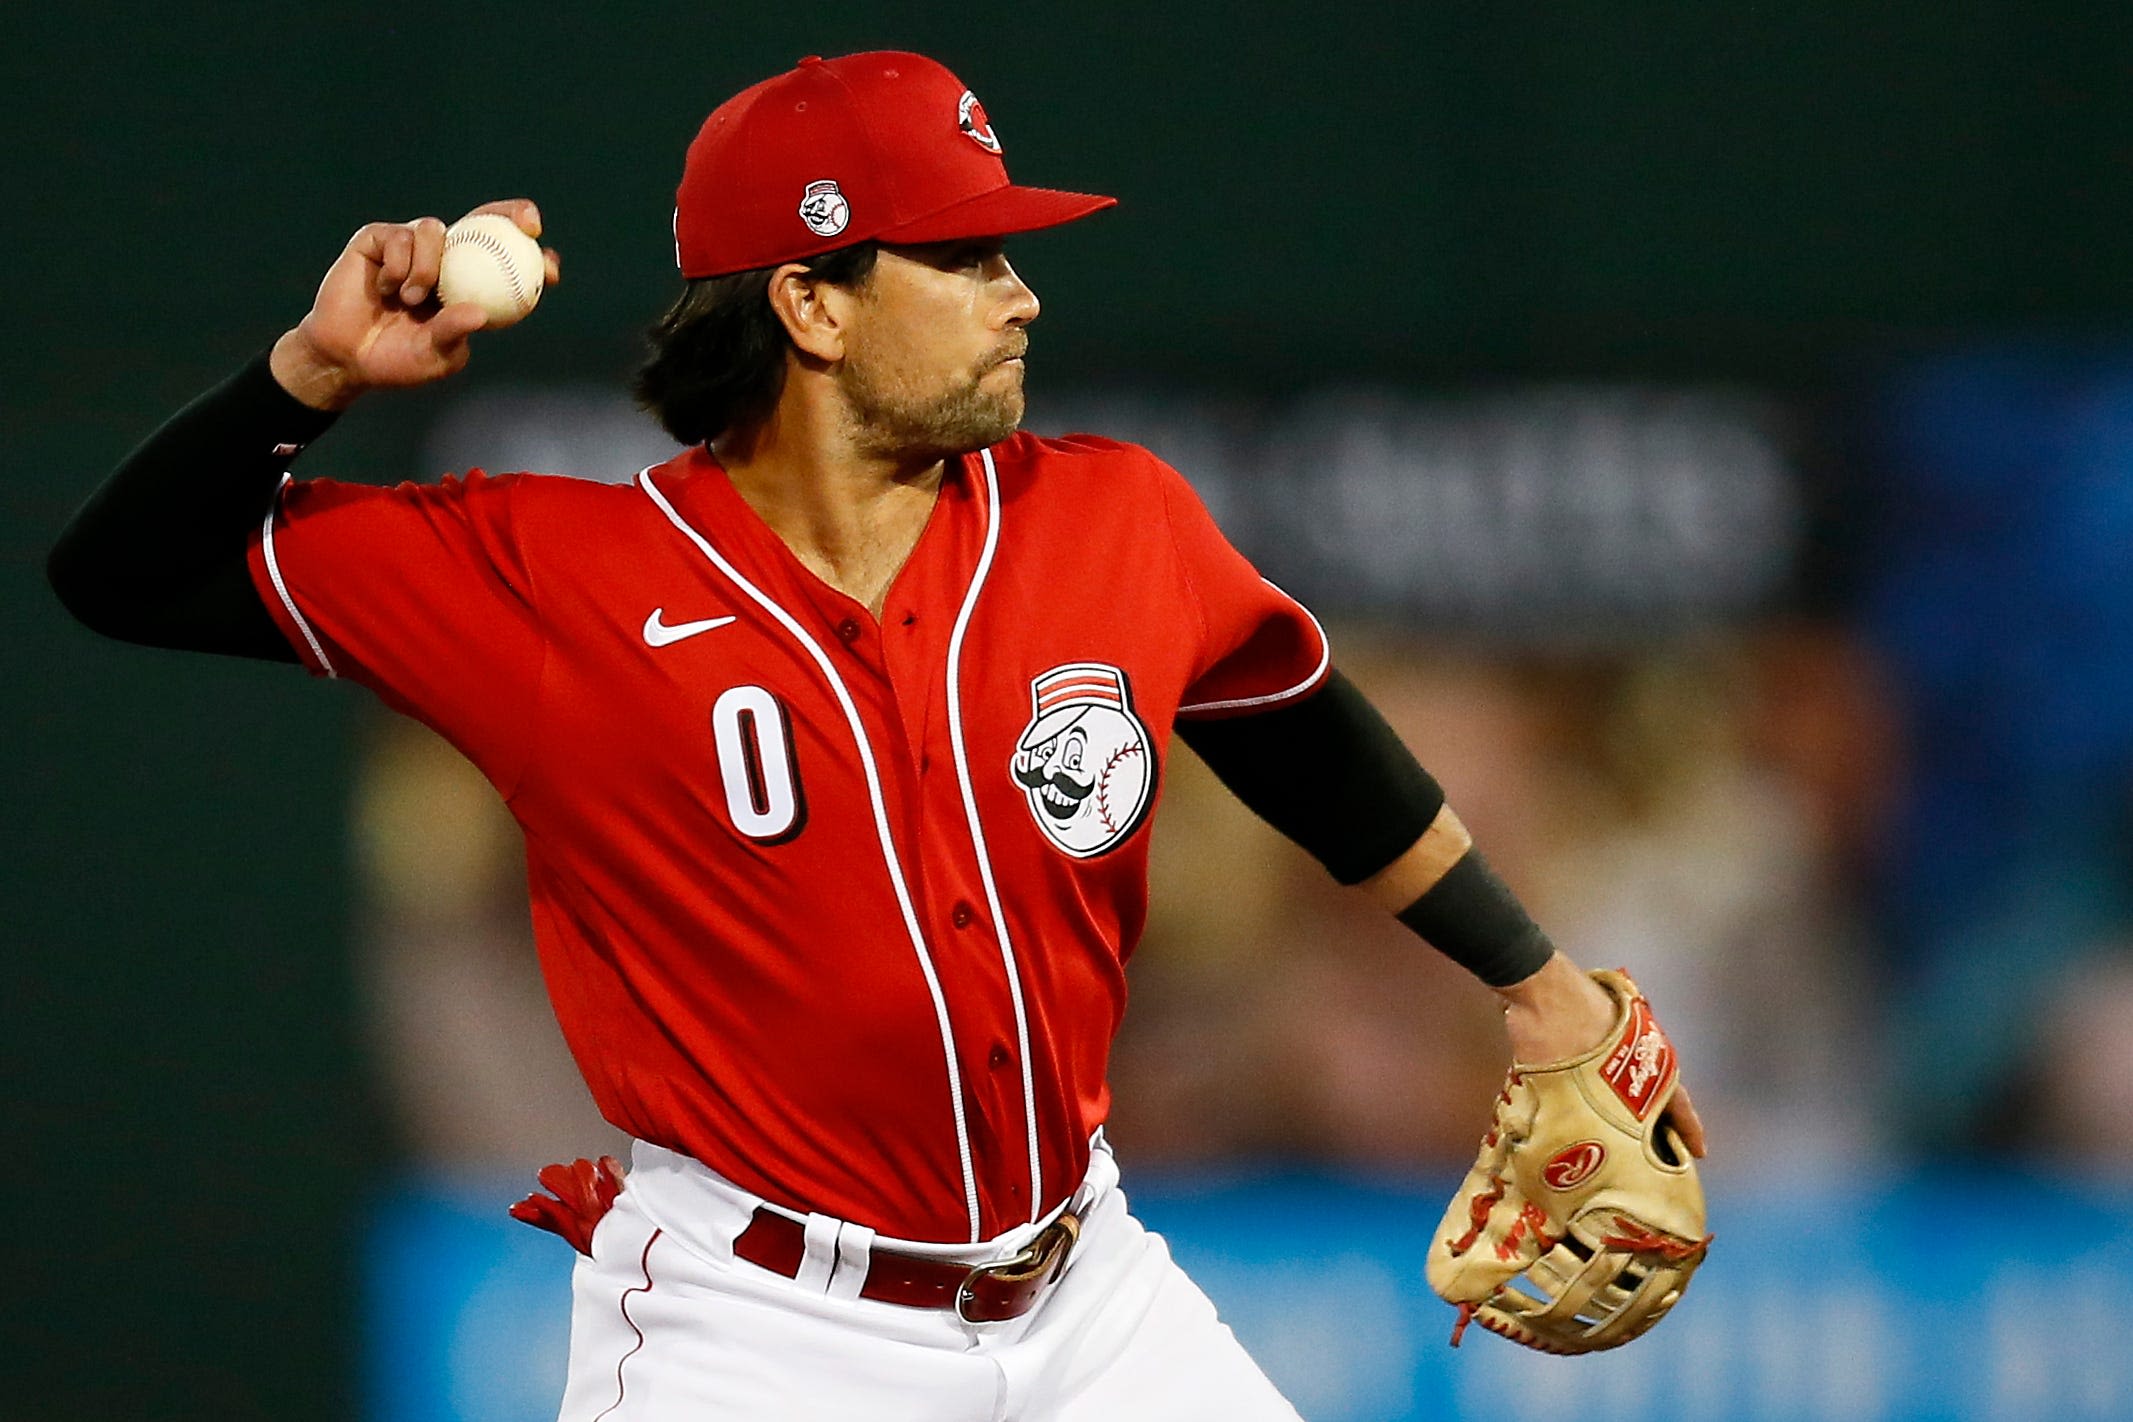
(376, 323)
(580, 1195)
(1582, 1219)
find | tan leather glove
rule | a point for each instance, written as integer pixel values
(1582, 1219)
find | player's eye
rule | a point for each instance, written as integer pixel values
(982, 257)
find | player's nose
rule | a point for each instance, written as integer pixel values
(1020, 305)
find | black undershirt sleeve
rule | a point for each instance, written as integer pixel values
(157, 554)
(1327, 772)
(1473, 918)
(1332, 776)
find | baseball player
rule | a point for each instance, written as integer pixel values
(834, 740)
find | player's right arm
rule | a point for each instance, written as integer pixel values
(157, 555)
(375, 323)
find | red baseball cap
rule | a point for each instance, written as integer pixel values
(885, 145)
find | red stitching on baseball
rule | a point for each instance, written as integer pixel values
(1103, 781)
(503, 260)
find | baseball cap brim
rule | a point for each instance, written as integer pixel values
(998, 214)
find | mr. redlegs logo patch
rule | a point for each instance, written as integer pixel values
(1642, 1063)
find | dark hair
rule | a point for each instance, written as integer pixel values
(718, 354)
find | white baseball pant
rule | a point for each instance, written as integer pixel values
(667, 1326)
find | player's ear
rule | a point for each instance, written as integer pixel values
(813, 312)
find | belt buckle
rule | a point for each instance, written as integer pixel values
(1038, 1263)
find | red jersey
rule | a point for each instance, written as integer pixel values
(839, 907)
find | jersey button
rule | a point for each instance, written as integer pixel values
(963, 915)
(998, 1056)
(848, 630)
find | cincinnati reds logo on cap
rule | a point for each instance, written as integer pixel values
(1085, 760)
(824, 210)
(970, 118)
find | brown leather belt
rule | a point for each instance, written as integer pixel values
(989, 1293)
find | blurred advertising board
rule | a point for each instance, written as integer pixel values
(1551, 514)
(1965, 1297)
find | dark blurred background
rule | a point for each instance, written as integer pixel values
(1709, 430)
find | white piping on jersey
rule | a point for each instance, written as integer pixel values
(977, 832)
(1325, 657)
(881, 830)
(266, 546)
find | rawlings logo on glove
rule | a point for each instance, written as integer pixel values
(1582, 1219)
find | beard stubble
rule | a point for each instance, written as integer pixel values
(893, 421)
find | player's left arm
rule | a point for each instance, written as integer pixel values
(1554, 1012)
(1330, 774)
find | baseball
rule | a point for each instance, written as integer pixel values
(489, 261)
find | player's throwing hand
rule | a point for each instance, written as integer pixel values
(376, 320)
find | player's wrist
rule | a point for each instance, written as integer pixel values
(309, 375)
(1557, 1013)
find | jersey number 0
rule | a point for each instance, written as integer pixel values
(755, 760)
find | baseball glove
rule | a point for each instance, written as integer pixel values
(1582, 1219)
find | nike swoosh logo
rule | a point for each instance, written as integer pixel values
(661, 634)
